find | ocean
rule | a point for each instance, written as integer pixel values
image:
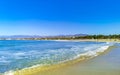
(21, 54)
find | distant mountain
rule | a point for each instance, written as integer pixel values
(37, 36)
(21, 36)
(75, 35)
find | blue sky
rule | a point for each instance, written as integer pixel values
(54, 17)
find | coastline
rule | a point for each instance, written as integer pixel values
(92, 40)
(105, 64)
(37, 69)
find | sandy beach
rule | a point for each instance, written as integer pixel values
(105, 64)
(103, 40)
(94, 40)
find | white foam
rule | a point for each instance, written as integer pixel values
(9, 73)
(61, 54)
(95, 52)
(4, 60)
(19, 54)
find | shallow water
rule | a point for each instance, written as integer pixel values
(16, 55)
(105, 64)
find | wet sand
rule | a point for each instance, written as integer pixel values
(105, 64)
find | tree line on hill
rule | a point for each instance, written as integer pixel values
(99, 37)
(86, 37)
(68, 37)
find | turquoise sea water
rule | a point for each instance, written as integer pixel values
(19, 54)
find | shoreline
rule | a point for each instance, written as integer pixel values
(75, 40)
(36, 69)
(105, 64)
(91, 40)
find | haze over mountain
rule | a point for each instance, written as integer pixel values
(38, 36)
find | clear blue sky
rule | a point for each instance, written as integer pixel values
(54, 17)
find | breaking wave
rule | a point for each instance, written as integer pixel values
(60, 52)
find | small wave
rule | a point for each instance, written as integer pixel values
(9, 73)
(95, 52)
(49, 57)
(90, 53)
